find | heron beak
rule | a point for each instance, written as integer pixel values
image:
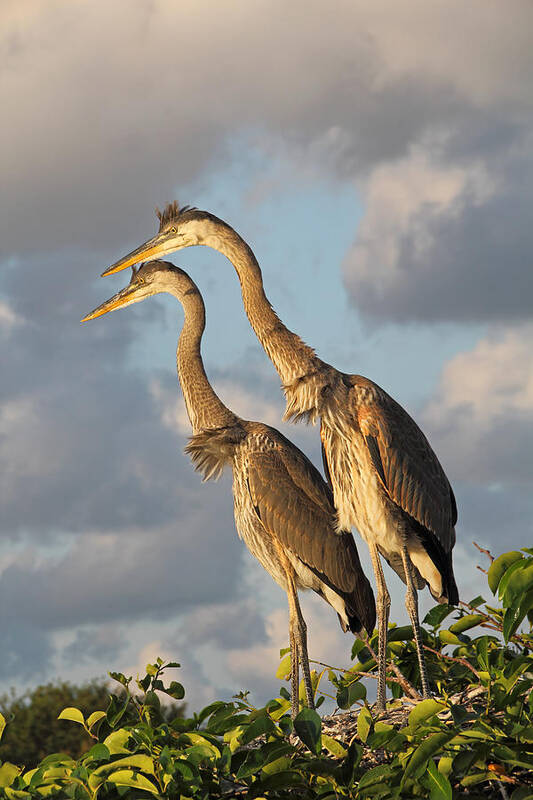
(148, 251)
(122, 298)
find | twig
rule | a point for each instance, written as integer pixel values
(462, 661)
(503, 790)
(402, 680)
(483, 550)
(409, 690)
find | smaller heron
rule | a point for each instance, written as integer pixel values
(283, 508)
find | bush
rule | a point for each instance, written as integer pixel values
(35, 729)
(475, 741)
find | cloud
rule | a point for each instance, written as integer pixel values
(444, 238)
(8, 319)
(103, 644)
(26, 652)
(481, 414)
(115, 130)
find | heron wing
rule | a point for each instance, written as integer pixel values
(407, 467)
(293, 503)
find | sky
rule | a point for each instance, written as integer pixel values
(377, 156)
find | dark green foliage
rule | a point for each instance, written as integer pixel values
(35, 729)
(475, 740)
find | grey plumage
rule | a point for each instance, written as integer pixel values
(283, 508)
(385, 477)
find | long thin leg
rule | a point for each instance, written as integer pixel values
(411, 603)
(298, 649)
(301, 634)
(383, 606)
(294, 657)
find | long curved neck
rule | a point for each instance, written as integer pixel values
(291, 357)
(204, 407)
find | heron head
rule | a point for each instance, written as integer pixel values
(178, 228)
(150, 278)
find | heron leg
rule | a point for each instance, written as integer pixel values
(294, 665)
(383, 606)
(301, 633)
(411, 603)
(299, 654)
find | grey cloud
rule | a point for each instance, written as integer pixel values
(102, 644)
(480, 416)
(226, 626)
(142, 574)
(101, 139)
(473, 263)
(26, 651)
(495, 517)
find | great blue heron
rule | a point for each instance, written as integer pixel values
(283, 508)
(386, 479)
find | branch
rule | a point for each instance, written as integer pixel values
(409, 690)
(486, 552)
(462, 661)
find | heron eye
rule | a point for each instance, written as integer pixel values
(173, 230)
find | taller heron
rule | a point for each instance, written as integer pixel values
(386, 479)
(283, 508)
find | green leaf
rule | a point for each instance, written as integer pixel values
(8, 773)
(348, 695)
(364, 724)
(138, 760)
(447, 637)
(418, 761)
(72, 714)
(116, 710)
(261, 725)
(445, 765)
(200, 753)
(333, 746)
(94, 717)
(280, 780)
(513, 580)
(376, 775)
(152, 700)
(519, 583)
(511, 619)
(120, 678)
(175, 690)
(99, 752)
(172, 665)
(439, 785)
(197, 738)
(436, 615)
(499, 567)
(357, 646)
(308, 726)
(523, 793)
(126, 777)
(403, 633)
(482, 649)
(466, 622)
(284, 669)
(277, 765)
(423, 711)
(15, 794)
(254, 761)
(115, 741)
